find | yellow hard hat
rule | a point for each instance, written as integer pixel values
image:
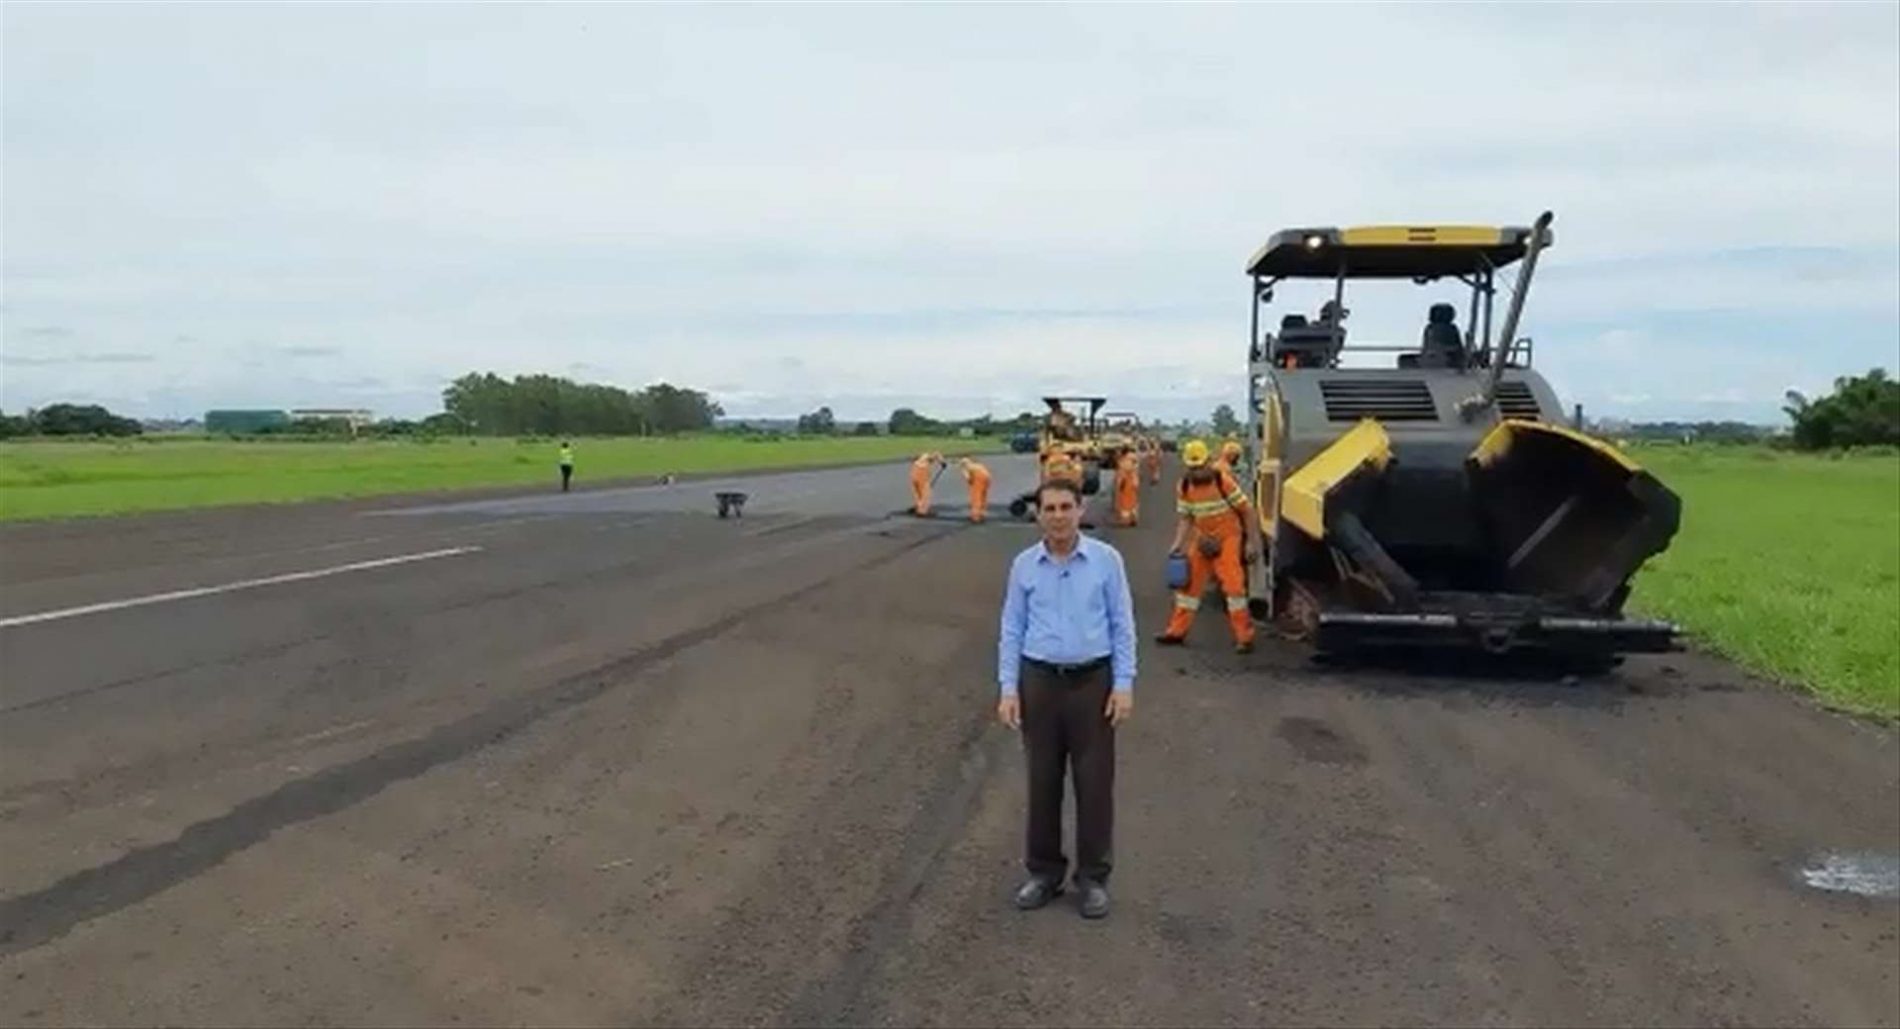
(1194, 453)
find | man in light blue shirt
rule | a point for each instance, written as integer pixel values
(1066, 673)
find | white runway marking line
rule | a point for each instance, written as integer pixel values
(230, 587)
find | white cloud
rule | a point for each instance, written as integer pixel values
(967, 206)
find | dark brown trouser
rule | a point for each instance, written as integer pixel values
(1065, 729)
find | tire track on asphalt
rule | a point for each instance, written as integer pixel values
(883, 796)
(947, 808)
(34, 919)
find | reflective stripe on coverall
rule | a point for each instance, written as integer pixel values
(1127, 488)
(1217, 508)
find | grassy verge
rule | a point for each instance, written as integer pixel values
(52, 479)
(1788, 563)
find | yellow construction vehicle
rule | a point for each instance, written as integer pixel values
(1077, 433)
(1073, 436)
(1121, 431)
(1432, 493)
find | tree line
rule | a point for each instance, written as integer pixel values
(1863, 410)
(907, 421)
(1678, 431)
(488, 405)
(68, 420)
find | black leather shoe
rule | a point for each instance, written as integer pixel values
(1036, 892)
(1094, 900)
(1170, 641)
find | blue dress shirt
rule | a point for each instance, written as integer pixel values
(1067, 611)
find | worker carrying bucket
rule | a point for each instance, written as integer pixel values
(978, 478)
(1213, 535)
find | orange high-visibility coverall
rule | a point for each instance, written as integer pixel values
(1217, 509)
(979, 479)
(920, 483)
(1127, 488)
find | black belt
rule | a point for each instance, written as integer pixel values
(1069, 671)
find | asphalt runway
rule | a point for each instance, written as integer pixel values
(603, 758)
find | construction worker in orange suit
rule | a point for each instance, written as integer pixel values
(1152, 448)
(920, 472)
(1230, 454)
(1213, 534)
(1127, 488)
(979, 479)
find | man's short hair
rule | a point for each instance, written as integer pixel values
(1066, 485)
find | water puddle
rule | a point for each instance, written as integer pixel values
(1868, 875)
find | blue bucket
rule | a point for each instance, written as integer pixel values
(1177, 571)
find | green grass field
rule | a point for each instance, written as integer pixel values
(52, 479)
(1788, 563)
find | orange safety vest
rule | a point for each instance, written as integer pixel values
(1215, 506)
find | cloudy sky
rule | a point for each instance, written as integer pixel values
(351, 204)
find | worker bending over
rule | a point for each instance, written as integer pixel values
(1127, 488)
(978, 478)
(1213, 534)
(921, 471)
